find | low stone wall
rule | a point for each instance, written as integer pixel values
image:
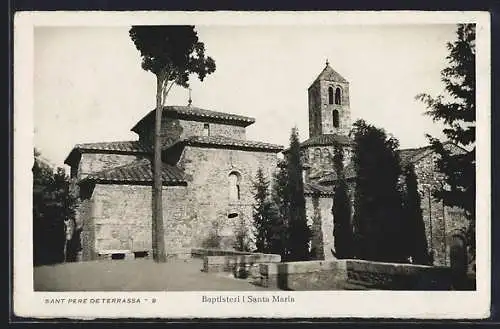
(202, 252)
(353, 274)
(307, 275)
(242, 266)
(398, 276)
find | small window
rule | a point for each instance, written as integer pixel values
(234, 186)
(330, 95)
(232, 215)
(338, 96)
(140, 254)
(336, 119)
(206, 129)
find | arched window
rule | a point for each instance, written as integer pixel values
(336, 118)
(337, 96)
(234, 186)
(330, 95)
(206, 129)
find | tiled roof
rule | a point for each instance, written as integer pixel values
(122, 147)
(326, 139)
(330, 74)
(222, 141)
(125, 146)
(410, 155)
(138, 172)
(192, 112)
(310, 188)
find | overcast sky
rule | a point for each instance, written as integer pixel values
(90, 87)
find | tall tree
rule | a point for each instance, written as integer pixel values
(377, 220)
(412, 213)
(265, 216)
(171, 53)
(53, 207)
(280, 197)
(300, 233)
(341, 209)
(456, 108)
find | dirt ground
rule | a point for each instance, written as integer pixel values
(135, 275)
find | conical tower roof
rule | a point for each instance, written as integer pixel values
(330, 74)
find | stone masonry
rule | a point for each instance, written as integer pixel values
(441, 223)
(207, 184)
(209, 167)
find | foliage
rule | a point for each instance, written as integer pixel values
(270, 228)
(262, 212)
(242, 238)
(299, 231)
(281, 201)
(378, 223)
(171, 53)
(341, 209)
(412, 213)
(456, 108)
(53, 207)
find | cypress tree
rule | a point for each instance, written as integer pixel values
(378, 217)
(341, 209)
(263, 213)
(281, 202)
(412, 214)
(300, 233)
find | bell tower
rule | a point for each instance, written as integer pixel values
(329, 111)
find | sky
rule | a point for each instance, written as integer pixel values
(89, 85)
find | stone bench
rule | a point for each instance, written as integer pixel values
(115, 254)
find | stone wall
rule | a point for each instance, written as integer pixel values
(208, 190)
(353, 274)
(319, 159)
(175, 129)
(93, 162)
(441, 222)
(118, 218)
(320, 219)
(321, 112)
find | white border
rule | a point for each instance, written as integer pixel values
(331, 304)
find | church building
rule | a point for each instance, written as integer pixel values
(207, 174)
(329, 125)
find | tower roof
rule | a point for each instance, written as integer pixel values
(330, 74)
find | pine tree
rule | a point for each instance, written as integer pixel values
(378, 200)
(299, 231)
(457, 110)
(172, 53)
(412, 213)
(341, 209)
